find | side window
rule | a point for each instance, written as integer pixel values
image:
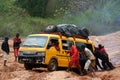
(65, 44)
(52, 42)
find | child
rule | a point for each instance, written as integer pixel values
(5, 48)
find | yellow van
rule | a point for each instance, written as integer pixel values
(37, 51)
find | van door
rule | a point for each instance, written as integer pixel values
(52, 50)
(64, 56)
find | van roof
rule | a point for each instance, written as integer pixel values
(53, 35)
(63, 37)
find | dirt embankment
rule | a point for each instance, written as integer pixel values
(16, 71)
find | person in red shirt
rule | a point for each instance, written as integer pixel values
(106, 63)
(102, 49)
(74, 58)
(16, 45)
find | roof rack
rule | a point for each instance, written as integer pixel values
(57, 33)
(60, 34)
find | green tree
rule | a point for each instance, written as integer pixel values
(34, 7)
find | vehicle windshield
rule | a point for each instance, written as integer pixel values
(35, 41)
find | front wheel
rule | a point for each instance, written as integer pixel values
(53, 65)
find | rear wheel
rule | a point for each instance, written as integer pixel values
(53, 65)
(28, 66)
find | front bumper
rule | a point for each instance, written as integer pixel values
(31, 58)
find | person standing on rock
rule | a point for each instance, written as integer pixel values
(16, 45)
(5, 48)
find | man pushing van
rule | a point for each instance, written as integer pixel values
(74, 58)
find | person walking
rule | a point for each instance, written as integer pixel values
(90, 58)
(5, 48)
(16, 45)
(74, 58)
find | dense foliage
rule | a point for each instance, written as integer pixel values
(34, 7)
(31, 16)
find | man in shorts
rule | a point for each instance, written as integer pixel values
(5, 48)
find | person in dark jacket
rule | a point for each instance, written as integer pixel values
(97, 60)
(82, 59)
(103, 51)
(5, 48)
(16, 45)
(104, 59)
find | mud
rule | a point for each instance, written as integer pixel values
(16, 71)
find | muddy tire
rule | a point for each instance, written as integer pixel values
(28, 66)
(53, 65)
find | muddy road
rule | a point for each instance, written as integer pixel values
(16, 71)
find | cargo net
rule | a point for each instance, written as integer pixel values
(68, 30)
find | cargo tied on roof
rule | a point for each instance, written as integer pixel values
(68, 30)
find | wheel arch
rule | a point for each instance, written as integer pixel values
(54, 58)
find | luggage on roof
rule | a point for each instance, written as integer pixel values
(69, 30)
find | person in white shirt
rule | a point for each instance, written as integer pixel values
(90, 58)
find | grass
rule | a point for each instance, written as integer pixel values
(98, 21)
